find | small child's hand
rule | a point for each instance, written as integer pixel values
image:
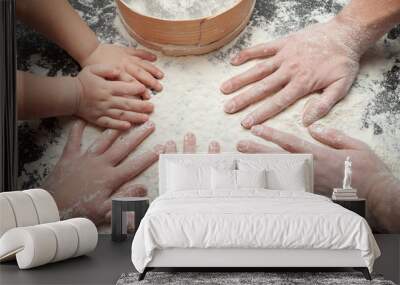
(84, 181)
(134, 61)
(107, 103)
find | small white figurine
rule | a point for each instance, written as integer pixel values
(347, 174)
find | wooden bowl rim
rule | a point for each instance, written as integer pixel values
(176, 50)
(181, 20)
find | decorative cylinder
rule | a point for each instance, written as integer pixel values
(46, 207)
(23, 208)
(7, 218)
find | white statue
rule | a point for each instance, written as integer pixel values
(347, 174)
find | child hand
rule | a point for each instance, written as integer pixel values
(83, 182)
(134, 61)
(107, 103)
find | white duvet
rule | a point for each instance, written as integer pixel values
(250, 219)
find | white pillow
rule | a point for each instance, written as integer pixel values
(223, 179)
(281, 174)
(203, 162)
(251, 178)
(188, 177)
(185, 174)
(293, 180)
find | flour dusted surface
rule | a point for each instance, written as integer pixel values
(180, 9)
(191, 100)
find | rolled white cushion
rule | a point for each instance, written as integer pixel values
(223, 179)
(67, 240)
(251, 178)
(45, 205)
(40, 244)
(87, 235)
(33, 246)
(23, 208)
(7, 218)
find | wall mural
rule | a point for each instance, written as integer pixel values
(189, 111)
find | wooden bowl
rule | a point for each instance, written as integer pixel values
(186, 37)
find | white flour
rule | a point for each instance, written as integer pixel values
(191, 100)
(180, 9)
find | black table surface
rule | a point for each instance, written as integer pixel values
(102, 266)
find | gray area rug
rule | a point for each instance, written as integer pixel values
(243, 278)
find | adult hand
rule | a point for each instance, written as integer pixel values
(107, 103)
(135, 62)
(189, 145)
(321, 58)
(370, 176)
(83, 183)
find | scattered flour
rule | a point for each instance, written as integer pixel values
(86, 2)
(191, 100)
(180, 9)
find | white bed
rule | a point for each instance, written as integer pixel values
(248, 227)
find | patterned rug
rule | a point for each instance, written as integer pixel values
(243, 278)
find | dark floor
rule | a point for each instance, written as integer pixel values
(103, 266)
(110, 260)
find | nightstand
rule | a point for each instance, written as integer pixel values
(357, 206)
(120, 206)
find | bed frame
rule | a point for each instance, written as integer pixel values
(246, 258)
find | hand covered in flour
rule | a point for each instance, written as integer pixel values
(135, 62)
(189, 145)
(321, 58)
(371, 177)
(106, 100)
(83, 183)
